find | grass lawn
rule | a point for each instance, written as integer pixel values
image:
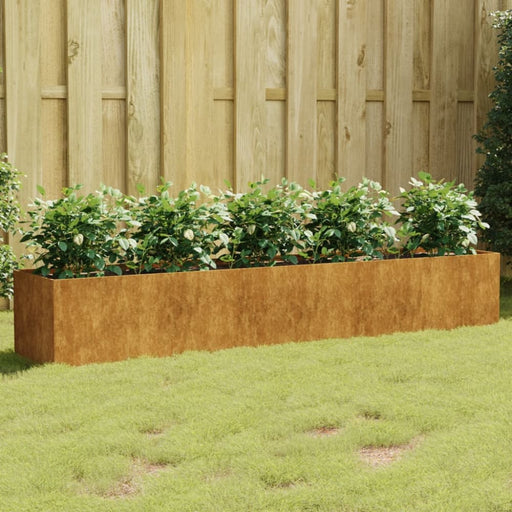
(406, 422)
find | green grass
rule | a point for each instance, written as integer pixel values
(245, 429)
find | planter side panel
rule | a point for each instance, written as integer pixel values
(33, 317)
(115, 318)
(112, 318)
(434, 293)
(261, 306)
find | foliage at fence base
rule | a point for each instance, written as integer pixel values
(79, 321)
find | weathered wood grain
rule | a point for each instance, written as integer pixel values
(352, 87)
(173, 19)
(209, 90)
(250, 108)
(84, 65)
(275, 76)
(398, 89)
(23, 94)
(223, 42)
(143, 102)
(443, 101)
(301, 150)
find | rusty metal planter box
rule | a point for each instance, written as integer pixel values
(79, 321)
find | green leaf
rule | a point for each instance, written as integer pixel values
(63, 246)
(124, 244)
(224, 238)
(115, 269)
(425, 176)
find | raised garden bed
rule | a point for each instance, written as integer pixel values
(89, 320)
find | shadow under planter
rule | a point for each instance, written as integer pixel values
(89, 320)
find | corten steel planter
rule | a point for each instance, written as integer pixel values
(78, 321)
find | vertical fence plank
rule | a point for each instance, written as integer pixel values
(114, 64)
(421, 65)
(374, 69)
(302, 91)
(223, 77)
(326, 81)
(464, 144)
(398, 93)
(143, 100)
(250, 108)
(23, 91)
(173, 19)
(53, 110)
(275, 76)
(443, 99)
(84, 94)
(23, 95)
(187, 92)
(351, 130)
(199, 58)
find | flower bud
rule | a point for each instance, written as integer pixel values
(351, 226)
(78, 239)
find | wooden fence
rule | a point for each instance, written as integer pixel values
(128, 91)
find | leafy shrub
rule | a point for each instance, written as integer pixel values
(8, 264)
(108, 231)
(76, 235)
(494, 178)
(440, 217)
(9, 217)
(343, 226)
(171, 233)
(9, 187)
(260, 226)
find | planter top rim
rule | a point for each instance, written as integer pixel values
(408, 261)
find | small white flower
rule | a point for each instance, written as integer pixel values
(78, 239)
(351, 226)
(189, 234)
(251, 229)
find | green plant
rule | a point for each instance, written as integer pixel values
(8, 264)
(77, 235)
(261, 226)
(109, 232)
(342, 226)
(493, 185)
(9, 187)
(438, 217)
(9, 217)
(173, 233)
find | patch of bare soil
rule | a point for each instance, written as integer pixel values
(378, 456)
(132, 483)
(324, 431)
(153, 432)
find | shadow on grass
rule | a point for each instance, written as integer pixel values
(506, 298)
(11, 363)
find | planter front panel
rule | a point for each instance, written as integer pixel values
(33, 317)
(114, 318)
